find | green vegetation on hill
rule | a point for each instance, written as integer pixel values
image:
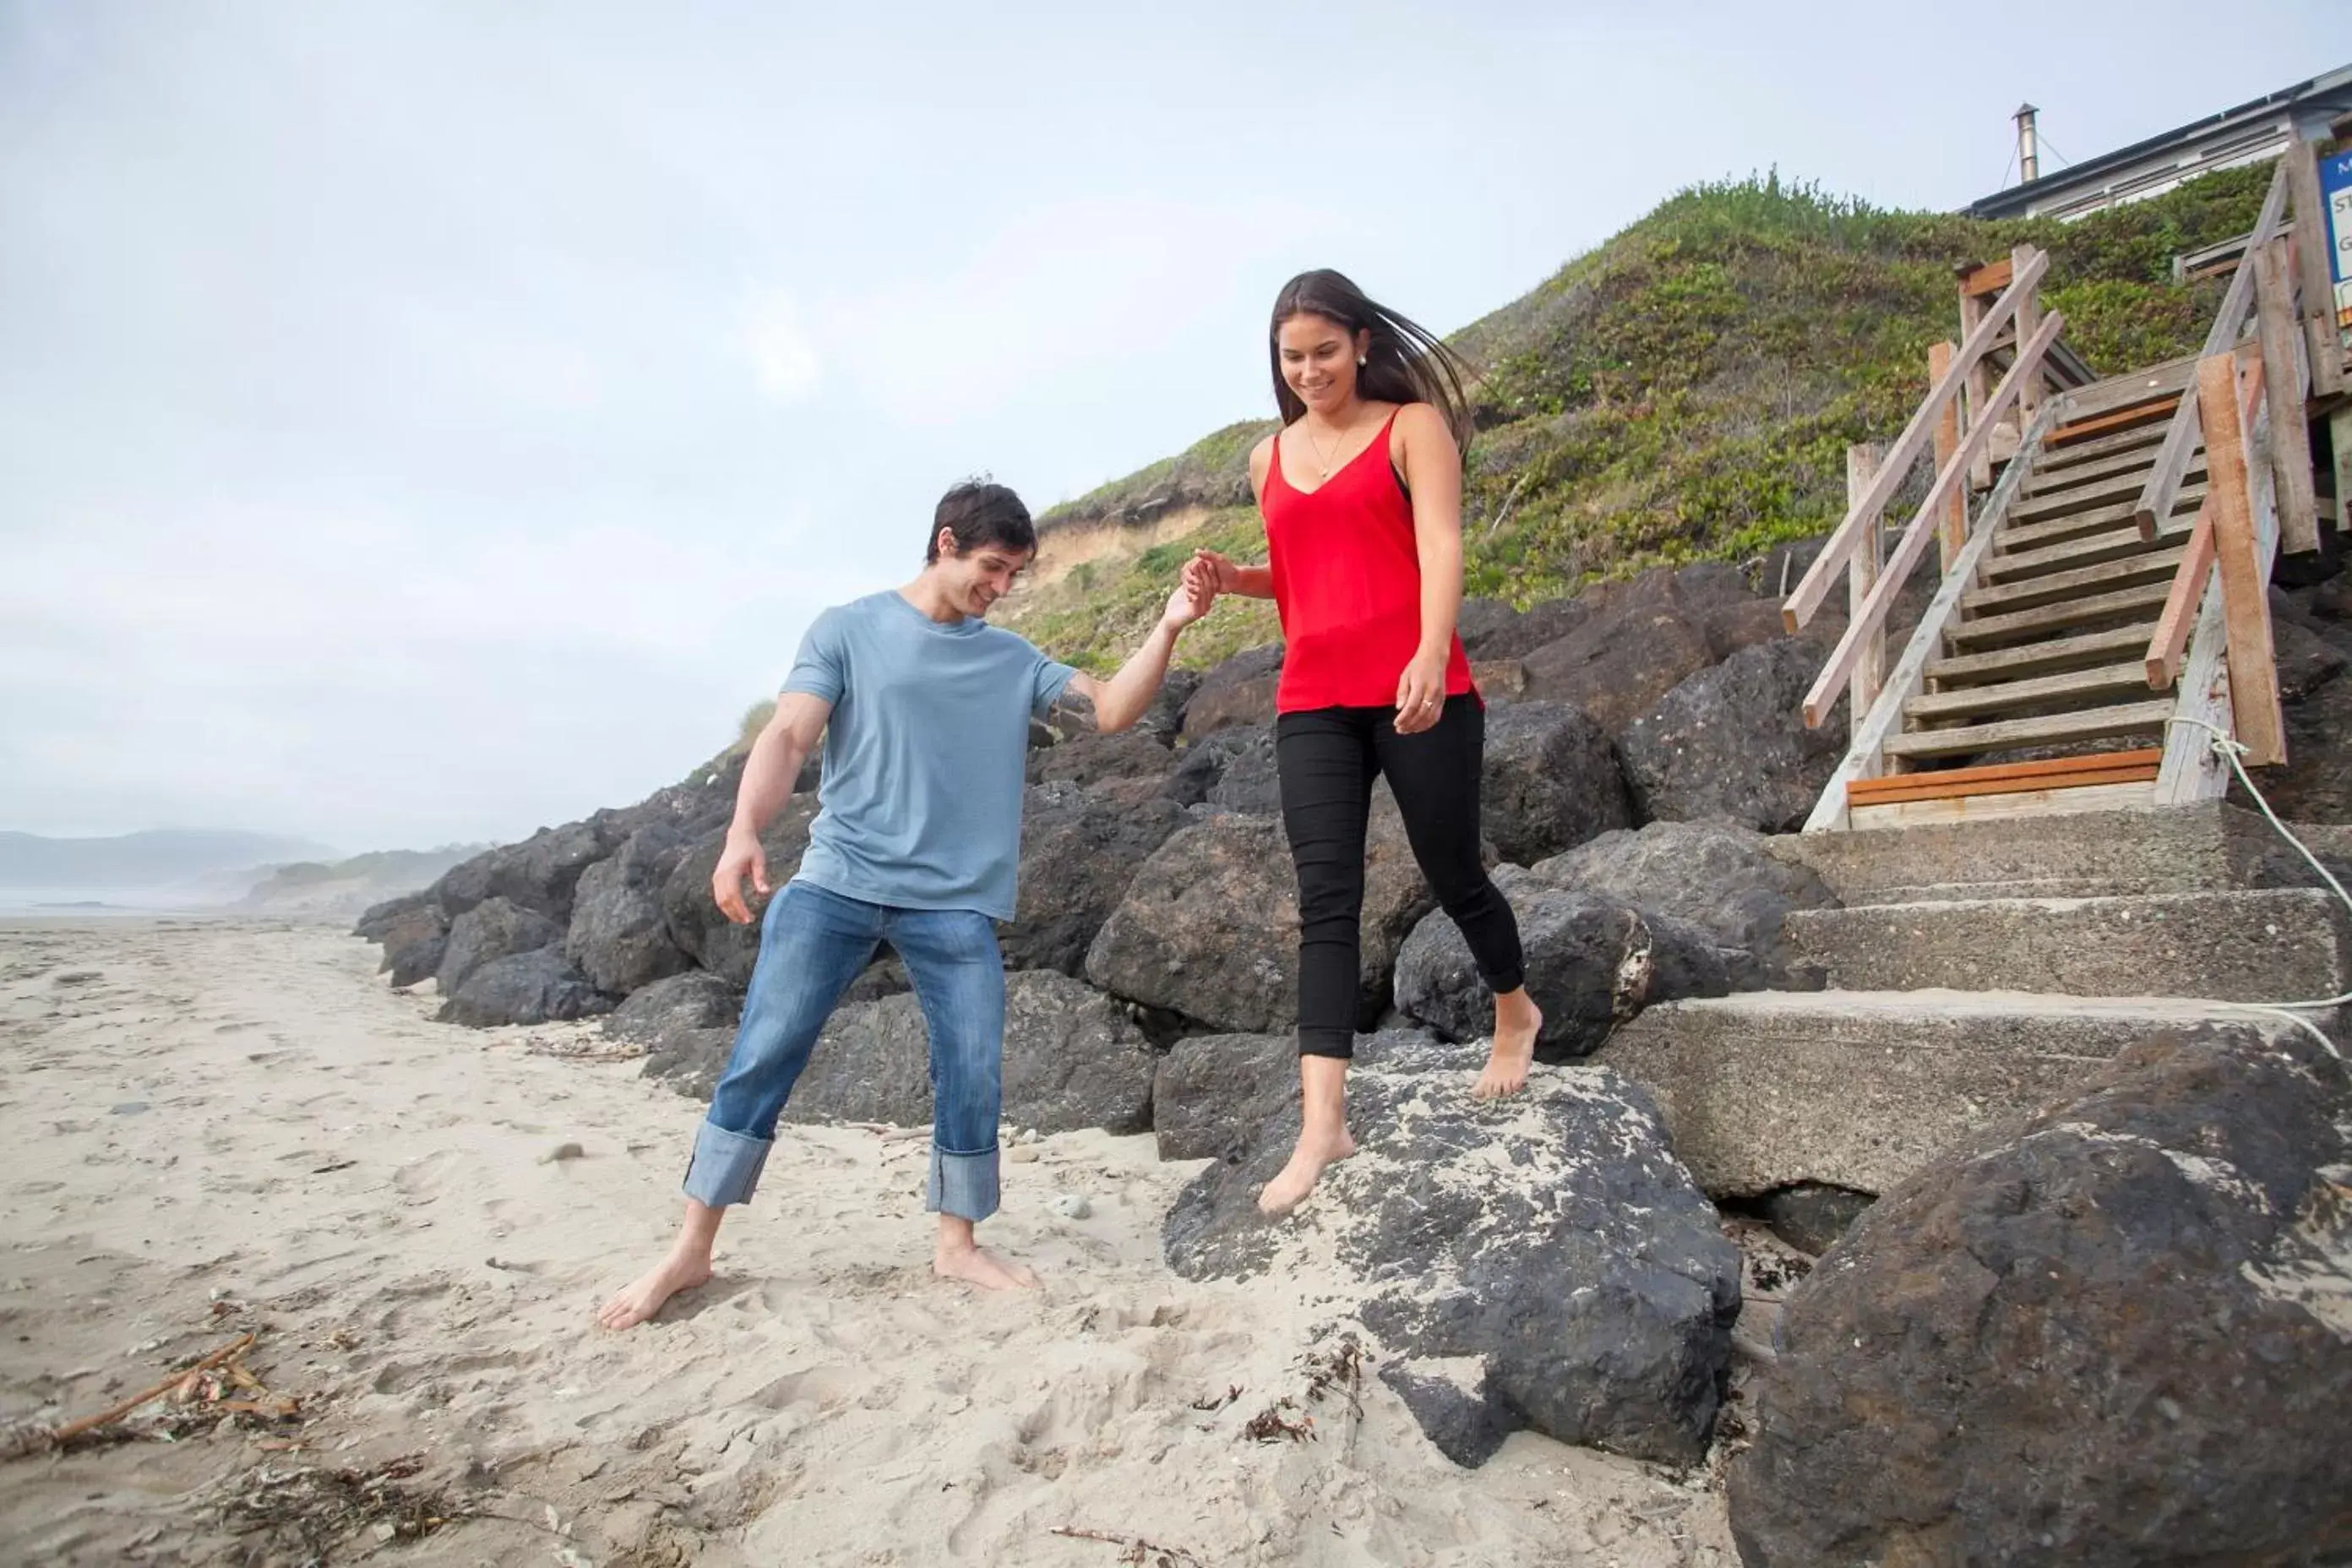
(1684, 392)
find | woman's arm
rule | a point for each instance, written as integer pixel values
(1432, 473)
(1227, 575)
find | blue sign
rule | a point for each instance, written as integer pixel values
(2335, 191)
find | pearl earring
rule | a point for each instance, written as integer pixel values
(1362, 360)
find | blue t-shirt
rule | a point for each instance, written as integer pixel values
(925, 757)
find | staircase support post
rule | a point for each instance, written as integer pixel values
(2283, 385)
(2029, 321)
(2323, 339)
(1955, 531)
(2255, 712)
(1862, 462)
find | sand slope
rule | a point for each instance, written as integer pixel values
(212, 1126)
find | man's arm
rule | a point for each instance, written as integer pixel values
(1119, 701)
(791, 733)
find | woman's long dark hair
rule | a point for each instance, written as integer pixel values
(1404, 364)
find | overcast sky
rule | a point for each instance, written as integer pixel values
(423, 422)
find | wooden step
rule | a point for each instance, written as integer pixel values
(2143, 439)
(2138, 460)
(2030, 659)
(2105, 683)
(2141, 603)
(2120, 489)
(2132, 417)
(2114, 544)
(2127, 719)
(2156, 566)
(2043, 534)
(2009, 778)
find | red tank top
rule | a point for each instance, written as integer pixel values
(1347, 581)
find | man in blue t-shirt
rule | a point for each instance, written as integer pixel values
(924, 711)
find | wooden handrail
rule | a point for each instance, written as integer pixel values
(1814, 590)
(1872, 615)
(2182, 436)
(2170, 641)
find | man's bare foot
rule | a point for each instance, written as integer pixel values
(978, 1266)
(1307, 1163)
(644, 1296)
(1513, 1052)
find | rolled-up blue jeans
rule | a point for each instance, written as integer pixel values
(812, 944)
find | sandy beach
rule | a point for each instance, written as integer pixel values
(209, 1129)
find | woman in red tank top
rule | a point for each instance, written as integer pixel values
(1361, 494)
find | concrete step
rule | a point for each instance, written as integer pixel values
(2180, 850)
(2257, 945)
(1862, 1088)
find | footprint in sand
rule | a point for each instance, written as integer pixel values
(826, 1387)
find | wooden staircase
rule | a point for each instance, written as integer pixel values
(2105, 586)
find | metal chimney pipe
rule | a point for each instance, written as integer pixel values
(2029, 151)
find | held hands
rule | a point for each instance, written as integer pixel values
(1219, 572)
(1193, 597)
(1420, 694)
(742, 857)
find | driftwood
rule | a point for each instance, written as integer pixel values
(25, 1440)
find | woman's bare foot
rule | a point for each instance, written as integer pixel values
(1313, 1156)
(644, 1296)
(1517, 1021)
(978, 1266)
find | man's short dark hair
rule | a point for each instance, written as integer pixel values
(981, 514)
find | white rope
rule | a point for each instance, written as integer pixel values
(2229, 749)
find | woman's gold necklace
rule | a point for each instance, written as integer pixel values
(1325, 472)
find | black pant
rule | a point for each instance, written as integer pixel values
(1329, 757)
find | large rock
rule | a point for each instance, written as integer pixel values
(415, 941)
(1553, 1237)
(1731, 742)
(1201, 765)
(1720, 877)
(1209, 928)
(1550, 779)
(619, 936)
(1637, 640)
(691, 1060)
(1239, 691)
(697, 927)
(1072, 1060)
(488, 931)
(697, 999)
(1592, 962)
(540, 873)
(1095, 759)
(1488, 636)
(2314, 784)
(1213, 1092)
(1078, 853)
(536, 987)
(1251, 780)
(377, 920)
(2120, 1336)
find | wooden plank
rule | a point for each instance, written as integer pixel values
(1975, 385)
(2106, 680)
(2119, 419)
(1906, 449)
(2139, 439)
(1872, 616)
(1829, 813)
(2257, 720)
(2038, 658)
(2171, 639)
(2116, 491)
(1862, 578)
(2039, 803)
(2153, 566)
(2301, 159)
(2106, 521)
(1933, 786)
(2041, 772)
(2134, 387)
(2164, 475)
(1954, 531)
(1987, 277)
(2146, 718)
(2029, 321)
(2121, 463)
(2091, 550)
(2290, 443)
(2143, 601)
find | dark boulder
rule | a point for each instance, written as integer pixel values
(377, 920)
(689, 1060)
(1079, 851)
(1553, 1237)
(1812, 1216)
(542, 871)
(1239, 691)
(1522, 633)
(1202, 763)
(1251, 780)
(1213, 1092)
(1723, 879)
(489, 930)
(697, 927)
(1731, 742)
(1550, 779)
(1592, 964)
(2119, 1335)
(415, 941)
(1456, 1404)
(697, 999)
(535, 987)
(619, 936)
(1616, 665)
(1093, 760)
